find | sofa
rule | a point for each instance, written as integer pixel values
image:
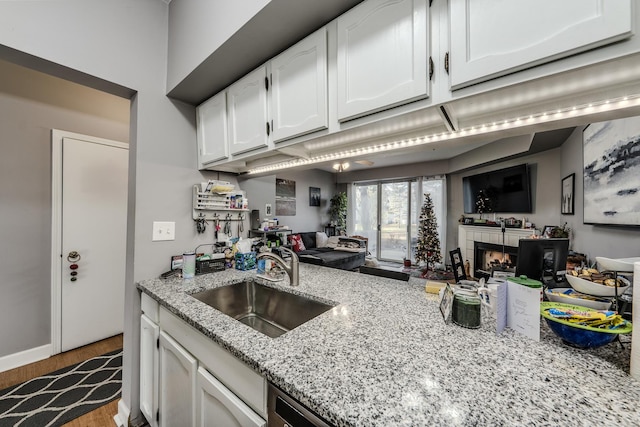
(340, 252)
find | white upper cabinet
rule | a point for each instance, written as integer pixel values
(492, 38)
(382, 56)
(247, 109)
(299, 88)
(211, 118)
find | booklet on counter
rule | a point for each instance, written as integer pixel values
(518, 308)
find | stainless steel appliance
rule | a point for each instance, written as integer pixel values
(285, 411)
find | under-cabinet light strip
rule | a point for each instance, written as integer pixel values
(536, 118)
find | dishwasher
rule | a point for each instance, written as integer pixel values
(285, 411)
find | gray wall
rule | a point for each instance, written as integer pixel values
(197, 28)
(31, 104)
(307, 218)
(545, 192)
(125, 43)
(260, 191)
(593, 240)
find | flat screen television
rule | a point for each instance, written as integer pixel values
(540, 258)
(507, 190)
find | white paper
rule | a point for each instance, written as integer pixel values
(523, 309)
(501, 307)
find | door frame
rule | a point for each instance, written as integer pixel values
(57, 137)
(379, 184)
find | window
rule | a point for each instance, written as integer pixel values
(387, 213)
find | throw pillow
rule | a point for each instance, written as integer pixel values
(321, 239)
(332, 242)
(296, 243)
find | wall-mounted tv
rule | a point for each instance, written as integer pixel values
(504, 190)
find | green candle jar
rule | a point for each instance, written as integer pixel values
(465, 310)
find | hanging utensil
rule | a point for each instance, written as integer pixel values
(227, 225)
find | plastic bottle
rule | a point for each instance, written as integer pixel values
(188, 265)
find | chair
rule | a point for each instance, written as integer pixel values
(457, 265)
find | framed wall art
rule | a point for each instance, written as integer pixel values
(547, 230)
(568, 189)
(285, 197)
(314, 196)
(611, 171)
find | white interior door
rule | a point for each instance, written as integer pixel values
(93, 218)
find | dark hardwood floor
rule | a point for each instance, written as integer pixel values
(102, 416)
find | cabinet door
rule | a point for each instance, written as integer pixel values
(149, 333)
(299, 88)
(217, 406)
(177, 384)
(490, 38)
(212, 129)
(247, 109)
(382, 56)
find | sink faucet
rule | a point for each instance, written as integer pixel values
(292, 270)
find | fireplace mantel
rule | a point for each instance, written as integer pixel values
(467, 234)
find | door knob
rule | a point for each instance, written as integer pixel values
(73, 256)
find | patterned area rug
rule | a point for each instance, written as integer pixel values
(61, 396)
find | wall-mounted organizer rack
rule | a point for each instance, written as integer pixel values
(209, 205)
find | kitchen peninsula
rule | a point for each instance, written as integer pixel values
(384, 357)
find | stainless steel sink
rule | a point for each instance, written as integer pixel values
(268, 310)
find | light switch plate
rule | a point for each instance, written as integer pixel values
(163, 230)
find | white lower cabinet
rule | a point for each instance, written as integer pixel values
(217, 406)
(177, 384)
(188, 380)
(149, 335)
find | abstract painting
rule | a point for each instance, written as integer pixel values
(611, 159)
(285, 197)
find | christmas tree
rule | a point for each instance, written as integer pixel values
(483, 203)
(428, 245)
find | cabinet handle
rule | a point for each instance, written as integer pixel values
(430, 68)
(268, 130)
(266, 83)
(446, 62)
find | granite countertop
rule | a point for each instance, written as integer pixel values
(384, 357)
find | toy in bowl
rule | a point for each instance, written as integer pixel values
(571, 296)
(583, 327)
(616, 264)
(604, 289)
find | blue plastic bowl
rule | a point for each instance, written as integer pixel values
(579, 335)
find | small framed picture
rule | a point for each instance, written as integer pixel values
(314, 196)
(547, 230)
(446, 303)
(176, 262)
(568, 187)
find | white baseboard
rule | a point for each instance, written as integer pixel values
(25, 357)
(122, 417)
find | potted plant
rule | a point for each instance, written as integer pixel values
(338, 210)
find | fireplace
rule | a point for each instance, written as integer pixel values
(488, 257)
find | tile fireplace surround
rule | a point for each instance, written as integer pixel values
(467, 234)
